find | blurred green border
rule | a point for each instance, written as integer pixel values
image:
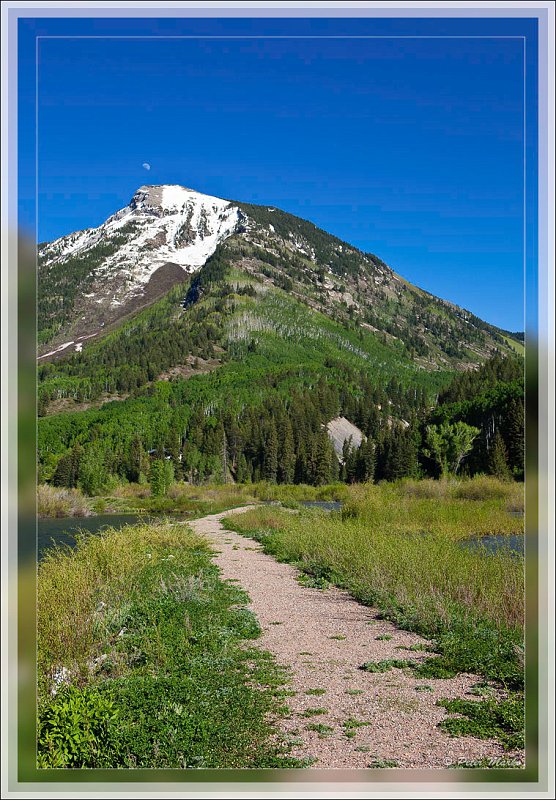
(104, 780)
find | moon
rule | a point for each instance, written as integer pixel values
(146, 166)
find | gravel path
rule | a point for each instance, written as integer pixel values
(324, 636)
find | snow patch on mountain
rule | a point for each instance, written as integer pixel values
(161, 224)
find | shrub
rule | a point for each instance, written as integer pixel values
(55, 502)
(75, 729)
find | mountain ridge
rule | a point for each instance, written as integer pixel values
(90, 281)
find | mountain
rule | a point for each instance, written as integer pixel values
(234, 339)
(95, 277)
(91, 280)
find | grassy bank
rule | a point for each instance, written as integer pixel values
(397, 550)
(144, 658)
(182, 498)
(212, 498)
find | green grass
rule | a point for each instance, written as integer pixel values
(317, 727)
(313, 712)
(351, 725)
(450, 509)
(386, 665)
(150, 656)
(182, 498)
(315, 692)
(381, 763)
(517, 346)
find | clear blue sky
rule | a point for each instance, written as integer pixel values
(409, 148)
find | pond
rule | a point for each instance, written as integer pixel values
(324, 505)
(60, 531)
(499, 543)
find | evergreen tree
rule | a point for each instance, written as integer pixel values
(137, 464)
(271, 454)
(515, 435)
(322, 459)
(365, 465)
(498, 459)
(67, 470)
(286, 466)
(242, 469)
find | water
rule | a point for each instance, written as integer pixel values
(52, 532)
(513, 544)
(324, 505)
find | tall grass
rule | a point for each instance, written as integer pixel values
(454, 510)
(182, 498)
(74, 582)
(297, 492)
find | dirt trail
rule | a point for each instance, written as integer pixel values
(324, 636)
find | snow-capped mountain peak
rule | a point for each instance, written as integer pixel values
(140, 250)
(161, 226)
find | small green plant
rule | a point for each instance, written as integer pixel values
(338, 637)
(362, 748)
(315, 691)
(424, 688)
(386, 665)
(313, 582)
(384, 637)
(317, 727)
(482, 689)
(354, 691)
(486, 719)
(314, 712)
(383, 763)
(351, 725)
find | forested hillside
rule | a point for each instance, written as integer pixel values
(283, 371)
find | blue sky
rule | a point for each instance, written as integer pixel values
(409, 148)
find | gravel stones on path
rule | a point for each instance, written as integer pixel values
(341, 716)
